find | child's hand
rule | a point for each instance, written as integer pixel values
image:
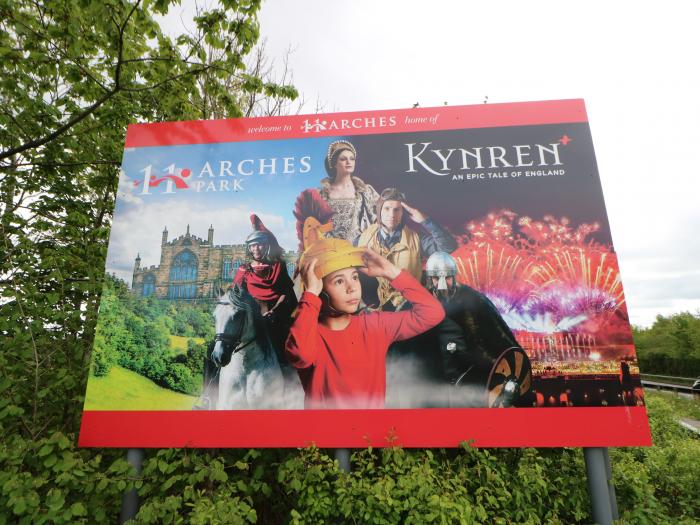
(309, 278)
(378, 266)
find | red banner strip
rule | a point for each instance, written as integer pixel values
(356, 123)
(434, 427)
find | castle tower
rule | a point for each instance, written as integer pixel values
(137, 267)
(164, 240)
(210, 236)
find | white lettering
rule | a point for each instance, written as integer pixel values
(443, 158)
(225, 168)
(206, 169)
(554, 151)
(169, 186)
(241, 170)
(270, 164)
(476, 154)
(146, 179)
(412, 157)
(522, 154)
(500, 156)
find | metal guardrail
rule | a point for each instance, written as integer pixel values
(690, 424)
(682, 380)
(669, 377)
(670, 386)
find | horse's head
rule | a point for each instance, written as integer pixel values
(233, 314)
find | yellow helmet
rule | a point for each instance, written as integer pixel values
(330, 254)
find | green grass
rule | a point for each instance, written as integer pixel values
(179, 343)
(122, 389)
(680, 406)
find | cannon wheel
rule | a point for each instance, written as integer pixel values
(510, 378)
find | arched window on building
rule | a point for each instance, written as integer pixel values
(230, 268)
(149, 285)
(226, 270)
(183, 276)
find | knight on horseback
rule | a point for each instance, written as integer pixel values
(253, 319)
(267, 280)
(477, 348)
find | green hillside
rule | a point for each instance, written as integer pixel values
(179, 343)
(122, 389)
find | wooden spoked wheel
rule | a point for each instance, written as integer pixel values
(509, 379)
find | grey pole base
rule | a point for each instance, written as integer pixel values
(599, 486)
(611, 486)
(130, 500)
(343, 457)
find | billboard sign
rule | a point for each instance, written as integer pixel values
(414, 277)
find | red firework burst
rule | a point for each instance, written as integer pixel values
(534, 267)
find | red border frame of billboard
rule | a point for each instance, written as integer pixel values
(407, 120)
(434, 427)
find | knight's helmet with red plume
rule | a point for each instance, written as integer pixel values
(261, 235)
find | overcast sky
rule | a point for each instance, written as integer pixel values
(634, 63)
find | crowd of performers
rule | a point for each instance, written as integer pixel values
(360, 295)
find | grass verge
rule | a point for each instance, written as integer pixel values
(122, 389)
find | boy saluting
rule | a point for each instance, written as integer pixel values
(340, 351)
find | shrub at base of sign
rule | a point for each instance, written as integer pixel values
(51, 481)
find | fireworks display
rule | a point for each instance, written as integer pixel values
(560, 290)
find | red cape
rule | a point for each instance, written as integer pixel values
(263, 283)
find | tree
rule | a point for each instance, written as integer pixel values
(74, 74)
(671, 346)
(675, 336)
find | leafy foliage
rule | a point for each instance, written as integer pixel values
(134, 332)
(49, 480)
(670, 346)
(74, 74)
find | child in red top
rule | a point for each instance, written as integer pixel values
(340, 354)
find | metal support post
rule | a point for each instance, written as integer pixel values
(611, 486)
(343, 457)
(598, 487)
(130, 500)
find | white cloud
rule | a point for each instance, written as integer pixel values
(631, 61)
(635, 75)
(126, 189)
(139, 230)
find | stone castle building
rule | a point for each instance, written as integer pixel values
(192, 268)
